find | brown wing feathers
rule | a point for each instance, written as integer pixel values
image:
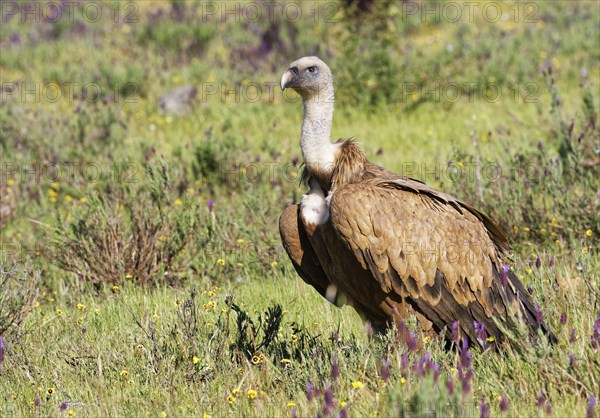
(402, 231)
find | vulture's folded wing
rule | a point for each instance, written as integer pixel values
(296, 244)
(432, 250)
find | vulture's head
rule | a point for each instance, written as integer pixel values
(307, 76)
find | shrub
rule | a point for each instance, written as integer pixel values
(19, 290)
(542, 194)
(137, 233)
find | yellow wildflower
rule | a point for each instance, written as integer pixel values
(81, 306)
(124, 373)
(178, 202)
(221, 262)
(526, 229)
(257, 359)
(50, 391)
(528, 270)
(128, 276)
(195, 359)
(553, 223)
(211, 294)
(357, 385)
(286, 361)
(163, 414)
(274, 264)
(240, 241)
(252, 394)
(59, 312)
(10, 182)
(71, 413)
(116, 289)
(230, 399)
(290, 404)
(343, 404)
(235, 391)
(589, 233)
(402, 380)
(491, 339)
(83, 199)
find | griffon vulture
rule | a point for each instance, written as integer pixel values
(388, 245)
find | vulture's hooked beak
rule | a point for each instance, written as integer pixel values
(289, 78)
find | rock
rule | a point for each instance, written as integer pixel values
(178, 101)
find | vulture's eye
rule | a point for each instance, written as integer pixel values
(312, 70)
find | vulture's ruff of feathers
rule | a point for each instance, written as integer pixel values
(389, 245)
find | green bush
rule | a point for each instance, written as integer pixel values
(541, 194)
(131, 231)
(19, 290)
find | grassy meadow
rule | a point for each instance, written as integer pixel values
(141, 271)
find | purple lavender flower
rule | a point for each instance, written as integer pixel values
(63, 406)
(504, 274)
(480, 331)
(551, 262)
(539, 318)
(309, 391)
(404, 364)
(411, 342)
(211, 205)
(541, 399)
(573, 337)
(419, 366)
(595, 338)
(1, 350)
(335, 369)
(503, 403)
(385, 370)
(450, 385)
(538, 262)
(591, 406)
(563, 318)
(343, 413)
(571, 360)
(548, 409)
(294, 413)
(329, 402)
(295, 160)
(484, 409)
(436, 371)
(465, 370)
(454, 336)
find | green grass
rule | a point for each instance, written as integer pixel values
(152, 349)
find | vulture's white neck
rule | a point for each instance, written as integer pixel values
(317, 150)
